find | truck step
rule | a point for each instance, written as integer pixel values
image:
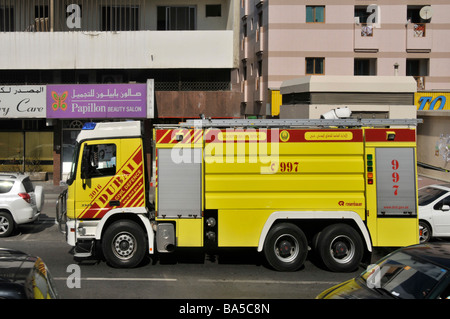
(84, 250)
(83, 255)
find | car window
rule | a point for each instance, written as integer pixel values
(445, 294)
(5, 186)
(405, 276)
(445, 201)
(28, 185)
(429, 195)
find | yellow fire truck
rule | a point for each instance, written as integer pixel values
(336, 187)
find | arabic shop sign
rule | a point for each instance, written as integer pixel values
(425, 101)
(97, 101)
(22, 101)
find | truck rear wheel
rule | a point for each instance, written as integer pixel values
(124, 244)
(286, 247)
(340, 247)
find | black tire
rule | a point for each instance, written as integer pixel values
(340, 248)
(426, 232)
(124, 244)
(286, 247)
(7, 224)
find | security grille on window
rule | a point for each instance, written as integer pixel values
(6, 19)
(120, 18)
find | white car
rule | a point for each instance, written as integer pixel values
(434, 211)
(20, 201)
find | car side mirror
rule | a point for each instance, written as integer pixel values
(445, 208)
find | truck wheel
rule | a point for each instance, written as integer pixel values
(286, 247)
(6, 224)
(124, 244)
(340, 247)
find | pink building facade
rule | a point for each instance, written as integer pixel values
(285, 39)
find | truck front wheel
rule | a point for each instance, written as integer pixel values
(124, 244)
(286, 247)
(340, 247)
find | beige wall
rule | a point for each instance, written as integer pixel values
(288, 40)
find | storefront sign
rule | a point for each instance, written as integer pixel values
(432, 101)
(22, 101)
(97, 101)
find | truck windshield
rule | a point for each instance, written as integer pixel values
(73, 166)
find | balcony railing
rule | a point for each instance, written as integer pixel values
(97, 15)
(73, 15)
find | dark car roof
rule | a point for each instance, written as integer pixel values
(436, 253)
(15, 265)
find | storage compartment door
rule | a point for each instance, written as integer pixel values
(179, 183)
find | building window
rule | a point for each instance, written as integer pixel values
(260, 68)
(213, 10)
(418, 68)
(365, 67)
(315, 66)
(315, 13)
(176, 18)
(361, 14)
(120, 18)
(413, 15)
(6, 19)
(41, 18)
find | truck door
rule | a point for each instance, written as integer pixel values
(111, 176)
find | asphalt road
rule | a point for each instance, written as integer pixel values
(189, 274)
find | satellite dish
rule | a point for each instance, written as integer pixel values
(426, 12)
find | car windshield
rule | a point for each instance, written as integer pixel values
(429, 194)
(404, 276)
